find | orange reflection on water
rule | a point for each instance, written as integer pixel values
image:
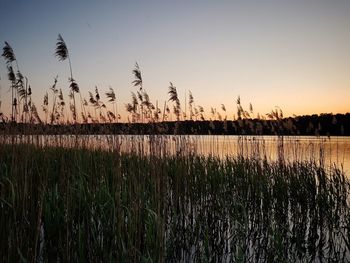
(327, 151)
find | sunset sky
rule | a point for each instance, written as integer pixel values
(291, 54)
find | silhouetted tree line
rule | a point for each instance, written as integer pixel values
(323, 125)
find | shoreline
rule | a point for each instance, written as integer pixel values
(323, 125)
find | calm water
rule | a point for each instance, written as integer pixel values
(330, 150)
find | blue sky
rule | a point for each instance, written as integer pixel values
(291, 54)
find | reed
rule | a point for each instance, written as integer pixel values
(156, 198)
(84, 204)
(61, 52)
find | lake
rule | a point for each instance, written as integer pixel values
(327, 150)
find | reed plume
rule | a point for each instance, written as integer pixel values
(112, 99)
(190, 103)
(174, 98)
(138, 78)
(10, 57)
(8, 53)
(54, 95)
(62, 54)
(45, 105)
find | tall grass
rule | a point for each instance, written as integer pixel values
(79, 204)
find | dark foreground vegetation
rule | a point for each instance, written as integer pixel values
(69, 205)
(324, 125)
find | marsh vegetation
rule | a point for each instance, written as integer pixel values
(62, 199)
(83, 204)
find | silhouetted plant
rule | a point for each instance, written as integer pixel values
(8, 53)
(54, 95)
(21, 94)
(63, 54)
(97, 103)
(147, 106)
(138, 78)
(135, 106)
(45, 105)
(93, 102)
(251, 110)
(112, 99)
(224, 109)
(276, 114)
(140, 98)
(1, 114)
(132, 107)
(190, 104)
(12, 78)
(175, 99)
(201, 113)
(28, 93)
(239, 108)
(166, 112)
(61, 105)
(29, 99)
(157, 113)
(213, 113)
(10, 57)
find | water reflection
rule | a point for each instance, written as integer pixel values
(327, 150)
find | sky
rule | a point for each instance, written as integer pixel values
(290, 54)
